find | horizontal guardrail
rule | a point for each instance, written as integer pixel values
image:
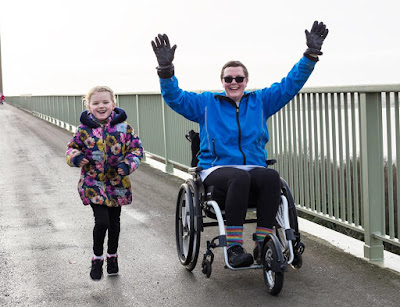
(337, 147)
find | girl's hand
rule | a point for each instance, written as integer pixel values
(83, 162)
(121, 172)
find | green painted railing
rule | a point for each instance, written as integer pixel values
(337, 147)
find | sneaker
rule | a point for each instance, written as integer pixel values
(237, 257)
(112, 265)
(96, 273)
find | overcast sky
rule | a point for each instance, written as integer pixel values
(67, 46)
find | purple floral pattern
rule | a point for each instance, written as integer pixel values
(106, 147)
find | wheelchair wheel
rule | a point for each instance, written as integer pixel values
(197, 225)
(293, 220)
(207, 268)
(292, 208)
(188, 225)
(273, 280)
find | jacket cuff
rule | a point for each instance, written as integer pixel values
(165, 72)
(77, 160)
(311, 58)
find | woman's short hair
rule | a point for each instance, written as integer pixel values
(235, 64)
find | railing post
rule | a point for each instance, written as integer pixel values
(138, 123)
(169, 167)
(372, 172)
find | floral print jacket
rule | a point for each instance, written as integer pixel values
(107, 146)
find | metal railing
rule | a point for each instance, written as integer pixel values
(337, 147)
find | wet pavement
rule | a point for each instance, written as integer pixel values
(46, 241)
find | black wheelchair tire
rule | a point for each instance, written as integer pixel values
(184, 235)
(197, 219)
(273, 280)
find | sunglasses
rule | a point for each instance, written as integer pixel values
(229, 79)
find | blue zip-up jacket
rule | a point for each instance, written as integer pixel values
(231, 135)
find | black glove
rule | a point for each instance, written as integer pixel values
(315, 38)
(165, 56)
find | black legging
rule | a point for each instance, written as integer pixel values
(106, 218)
(237, 186)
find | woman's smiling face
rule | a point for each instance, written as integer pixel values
(234, 90)
(101, 105)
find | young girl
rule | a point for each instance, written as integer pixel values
(108, 150)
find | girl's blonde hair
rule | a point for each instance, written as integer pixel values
(97, 89)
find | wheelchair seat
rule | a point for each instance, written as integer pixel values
(212, 193)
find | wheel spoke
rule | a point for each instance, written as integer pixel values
(271, 278)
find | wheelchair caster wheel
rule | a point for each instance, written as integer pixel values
(300, 248)
(298, 258)
(207, 269)
(273, 280)
(297, 261)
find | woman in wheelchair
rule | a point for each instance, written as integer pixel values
(233, 135)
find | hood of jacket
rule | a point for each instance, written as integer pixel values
(117, 116)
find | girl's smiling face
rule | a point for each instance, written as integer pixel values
(101, 105)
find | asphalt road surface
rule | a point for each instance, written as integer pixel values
(46, 242)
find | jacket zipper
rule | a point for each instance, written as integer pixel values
(240, 136)
(105, 159)
(215, 153)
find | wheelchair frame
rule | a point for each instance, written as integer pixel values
(279, 249)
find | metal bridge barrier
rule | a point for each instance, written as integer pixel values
(337, 147)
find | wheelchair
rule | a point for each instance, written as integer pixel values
(195, 203)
